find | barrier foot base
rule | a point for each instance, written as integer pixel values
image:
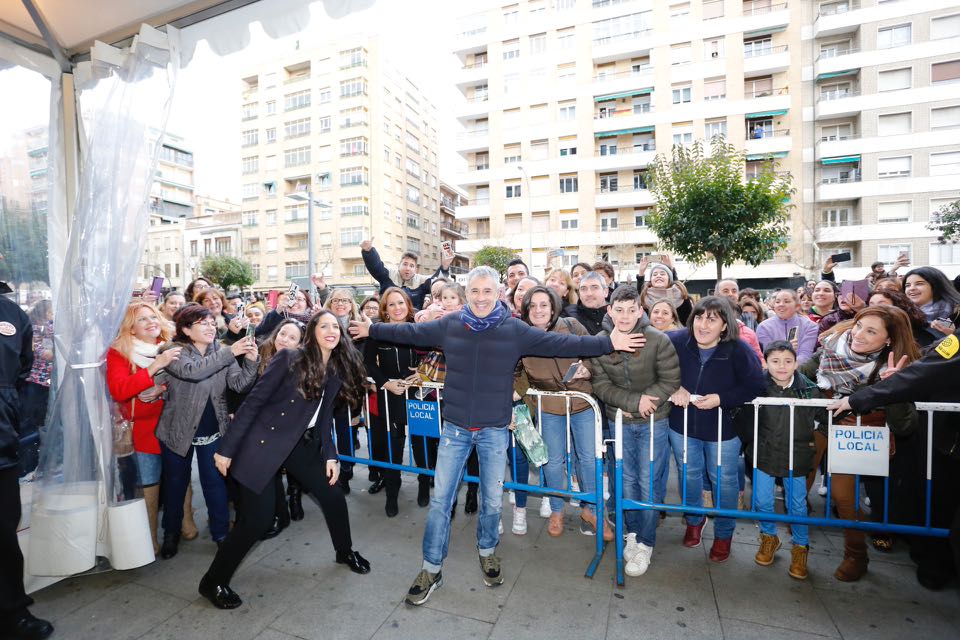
(592, 568)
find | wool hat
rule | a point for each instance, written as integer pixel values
(659, 265)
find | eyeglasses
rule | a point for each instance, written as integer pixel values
(340, 301)
(146, 320)
(204, 323)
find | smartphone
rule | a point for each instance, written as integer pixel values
(251, 332)
(841, 257)
(292, 292)
(792, 333)
(240, 305)
(571, 371)
(272, 298)
(860, 288)
(447, 247)
(157, 286)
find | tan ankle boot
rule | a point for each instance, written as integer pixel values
(188, 529)
(768, 547)
(151, 496)
(855, 558)
(798, 562)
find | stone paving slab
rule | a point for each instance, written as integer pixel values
(293, 589)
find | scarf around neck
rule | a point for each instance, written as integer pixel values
(937, 309)
(841, 369)
(671, 294)
(144, 353)
(491, 321)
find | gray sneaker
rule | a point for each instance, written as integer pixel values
(425, 584)
(490, 566)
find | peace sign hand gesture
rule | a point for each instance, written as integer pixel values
(893, 368)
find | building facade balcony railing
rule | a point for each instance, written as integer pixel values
(643, 69)
(764, 51)
(621, 37)
(637, 148)
(760, 133)
(475, 65)
(763, 93)
(636, 109)
(836, 53)
(477, 201)
(455, 227)
(853, 177)
(759, 7)
(296, 79)
(833, 8)
(839, 94)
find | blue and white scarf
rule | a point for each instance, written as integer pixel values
(491, 321)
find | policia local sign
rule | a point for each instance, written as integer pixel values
(859, 450)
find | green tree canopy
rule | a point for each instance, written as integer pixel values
(23, 247)
(496, 257)
(707, 209)
(227, 271)
(946, 220)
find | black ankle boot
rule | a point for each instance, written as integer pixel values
(377, 485)
(295, 502)
(273, 531)
(344, 483)
(471, 503)
(423, 494)
(392, 508)
(171, 542)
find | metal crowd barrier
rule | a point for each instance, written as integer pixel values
(432, 388)
(622, 504)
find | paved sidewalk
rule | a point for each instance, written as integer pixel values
(292, 588)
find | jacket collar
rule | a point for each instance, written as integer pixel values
(722, 352)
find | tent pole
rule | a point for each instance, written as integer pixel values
(55, 49)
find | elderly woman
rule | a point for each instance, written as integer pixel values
(299, 307)
(230, 328)
(342, 304)
(195, 416)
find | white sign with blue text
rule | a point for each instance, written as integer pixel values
(858, 450)
(423, 418)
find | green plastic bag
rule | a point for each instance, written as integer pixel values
(528, 437)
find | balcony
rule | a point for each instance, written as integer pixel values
(766, 60)
(833, 18)
(761, 7)
(625, 157)
(621, 45)
(839, 145)
(839, 103)
(454, 228)
(608, 83)
(473, 73)
(476, 208)
(623, 197)
(771, 142)
(473, 141)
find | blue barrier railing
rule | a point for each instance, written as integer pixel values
(622, 504)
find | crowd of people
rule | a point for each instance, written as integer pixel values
(265, 395)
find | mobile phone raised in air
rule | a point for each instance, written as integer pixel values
(841, 257)
(447, 247)
(792, 333)
(251, 331)
(157, 286)
(292, 292)
(859, 288)
(571, 371)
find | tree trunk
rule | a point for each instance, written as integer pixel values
(719, 260)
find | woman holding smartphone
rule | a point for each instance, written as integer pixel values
(288, 422)
(929, 289)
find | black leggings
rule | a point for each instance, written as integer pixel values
(425, 459)
(255, 511)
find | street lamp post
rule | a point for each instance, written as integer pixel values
(300, 196)
(526, 179)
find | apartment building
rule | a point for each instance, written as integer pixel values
(338, 123)
(885, 97)
(451, 229)
(566, 102)
(171, 201)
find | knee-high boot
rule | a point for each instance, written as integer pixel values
(188, 530)
(151, 496)
(855, 558)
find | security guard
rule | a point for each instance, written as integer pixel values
(16, 358)
(933, 378)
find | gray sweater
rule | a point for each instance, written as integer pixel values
(191, 381)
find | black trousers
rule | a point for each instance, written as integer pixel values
(13, 598)
(255, 511)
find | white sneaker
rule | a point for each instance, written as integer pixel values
(822, 491)
(513, 499)
(519, 521)
(630, 547)
(640, 562)
(575, 486)
(500, 527)
(545, 507)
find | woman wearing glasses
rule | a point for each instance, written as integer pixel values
(195, 416)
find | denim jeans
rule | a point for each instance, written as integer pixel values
(455, 446)
(795, 496)
(584, 454)
(703, 454)
(176, 477)
(149, 465)
(637, 479)
(519, 470)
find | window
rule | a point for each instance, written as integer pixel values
(271, 107)
(353, 147)
(567, 148)
(353, 87)
(249, 111)
(413, 194)
(898, 167)
(353, 58)
(680, 11)
(412, 142)
(714, 88)
(945, 27)
(608, 182)
(640, 217)
(836, 217)
(754, 47)
(250, 164)
(942, 164)
(413, 244)
(893, 36)
(354, 176)
(324, 94)
(714, 128)
(413, 168)
(680, 54)
(945, 71)
(609, 221)
(271, 135)
(681, 94)
(945, 118)
(567, 72)
(513, 224)
(271, 217)
(944, 253)
(567, 111)
(511, 82)
(569, 221)
(894, 211)
(249, 138)
(834, 49)
(511, 15)
(354, 117)
(511, 49)
(273, 273)
(888, 253)
(894, 79)
(683, 134)
(251, 190)
(250, 218)
(836, 132)
(758, 87)
(296, 100)
(513, 190)
(894, 124)
(565, 39)
(568, 184)
(354, 207)
(296, 128)
(296, 269)
(413, 219)
(608, 148)
(538, 43)
(539, 150)
(271, 245)
(712, 9)
(511, 154)
(639, 179)
(351, 236)
(295, 213)
(296, 157)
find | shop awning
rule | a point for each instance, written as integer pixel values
(623, 132)
(837, 74)
(840, 160)
(768, 114)
(768, 156)
(625, 94)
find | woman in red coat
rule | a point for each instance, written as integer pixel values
(133, 363)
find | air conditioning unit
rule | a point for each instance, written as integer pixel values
(715, 54)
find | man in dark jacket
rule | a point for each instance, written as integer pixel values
(932, 378)
(16, 359)
(482, 346)
(405, 275)
(590, 309)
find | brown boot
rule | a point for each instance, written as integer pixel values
(188, 529)
(151, 496)
(855, 559)
(768, 547)
(798, 562)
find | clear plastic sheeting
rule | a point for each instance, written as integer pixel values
(124, 97)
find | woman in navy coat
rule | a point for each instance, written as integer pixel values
(287, 421)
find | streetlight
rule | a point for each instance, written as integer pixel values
(526, 179)
(307, 195)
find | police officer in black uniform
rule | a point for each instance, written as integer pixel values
(933, 378)
(16, 358)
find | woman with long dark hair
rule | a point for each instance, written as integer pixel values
(936, 296)
(287, 421)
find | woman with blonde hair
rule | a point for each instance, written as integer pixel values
(560, 281)
(344, 306)
(134, 365)
(229, 328)
(663, 316)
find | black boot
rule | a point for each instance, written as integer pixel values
(295, 501)
(377, 485)
(27, 626)
(393, 492)
(356, 562)
(373, 474)
(423, 493)
(344, 482)
(273, 531)
(471, 503)
(169, 547)
(220, 595)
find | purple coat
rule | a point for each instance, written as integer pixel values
(773, 329)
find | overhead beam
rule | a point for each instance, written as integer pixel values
(55, 49)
